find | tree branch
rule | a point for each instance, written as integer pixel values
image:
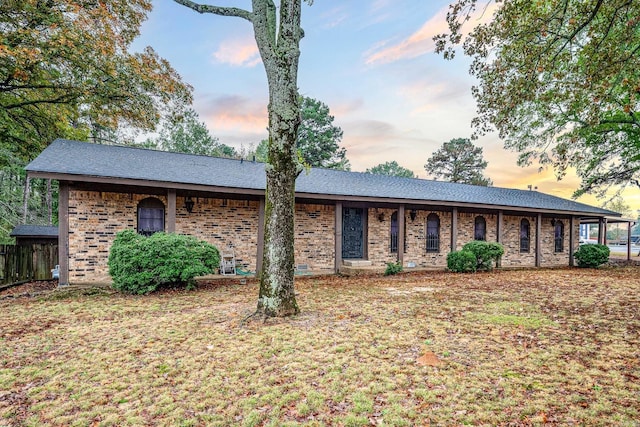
(62, 99)
(217, 10)
(579, 28)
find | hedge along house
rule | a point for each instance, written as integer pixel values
(342, 219)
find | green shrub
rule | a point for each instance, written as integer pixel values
(462, 261)
(393, 268)
(592, 256)
(139, 264)
(487, 253)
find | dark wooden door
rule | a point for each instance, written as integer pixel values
(352, 233)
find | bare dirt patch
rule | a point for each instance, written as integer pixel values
(542, 347)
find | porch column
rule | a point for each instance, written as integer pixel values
(454, 229)
(171, 210)
(63, 233)
(260, 248)
(401, 228)
(499, 228)
(338, 238)
(571, 241)
(629, 240)
(600, 228)
(539, 240)
(604, 234)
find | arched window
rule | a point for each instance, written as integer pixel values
(558, 228)
(394, 233)
(525, 235)
(433, 233)
(480, 229)
(150, 216)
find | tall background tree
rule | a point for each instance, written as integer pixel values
(458, 161)
(391, 168)
(66, 70)
(278, 39)
(559, 81)
(318, 138)
(187, 134)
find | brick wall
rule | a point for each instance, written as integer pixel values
(550, 257)
(511, 241)
(378, 236)
(95, 218)
(223, 223)
(379, 239)
(466, 227)
(379, 247)
(315, 237)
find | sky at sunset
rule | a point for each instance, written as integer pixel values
(372, 62)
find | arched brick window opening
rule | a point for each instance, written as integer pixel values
(433, 233)
(558, 239)
(150, 216)
(480, 228)
(525, 235)
(394, 233)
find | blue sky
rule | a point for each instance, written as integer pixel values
(371, 62)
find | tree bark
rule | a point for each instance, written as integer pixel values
(280, 53)
(279, 45)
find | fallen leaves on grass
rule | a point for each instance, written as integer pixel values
(556, 347)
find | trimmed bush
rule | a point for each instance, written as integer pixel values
(462, 262)
(393, 268)
(592, 256)
(139, 264)
(487, 253)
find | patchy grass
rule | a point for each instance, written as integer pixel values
(556, 347)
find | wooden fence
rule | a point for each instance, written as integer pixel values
(27, 262)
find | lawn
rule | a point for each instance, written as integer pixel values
(554, 347)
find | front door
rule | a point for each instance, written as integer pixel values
(352, 233)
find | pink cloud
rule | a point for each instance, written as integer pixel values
(421, 42)
(346, 106)
(229, 113)
(240, 52)
(335, 17)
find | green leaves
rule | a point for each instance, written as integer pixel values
(458, 161)
(139, 264)
(391, 168)
(318, 138)
(487, 254)
(592, 256)
(187, 134)
(66, 68)
(559, 81)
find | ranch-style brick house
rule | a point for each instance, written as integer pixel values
(342, 219)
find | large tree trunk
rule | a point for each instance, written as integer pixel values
(279, 45)
(277, 296)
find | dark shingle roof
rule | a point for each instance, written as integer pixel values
(34, 231)
(110, 161)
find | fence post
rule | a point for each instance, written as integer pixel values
(3, 264)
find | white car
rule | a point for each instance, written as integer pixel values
(588, 241)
